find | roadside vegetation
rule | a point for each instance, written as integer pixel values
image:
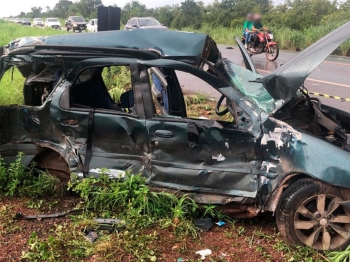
(10, 31)
(296, 23)
(157, 226)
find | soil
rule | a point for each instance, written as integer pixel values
(244, 240)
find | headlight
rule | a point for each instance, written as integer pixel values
(271, 36)
(74, 24)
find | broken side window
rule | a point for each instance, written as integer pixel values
(11, 88)
(28, 85)
(107, 88)
(117, 80)
(200, 98)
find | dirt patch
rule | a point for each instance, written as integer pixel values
(240, 240)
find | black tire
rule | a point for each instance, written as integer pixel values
(273, 55)
(306, 197)
(67, 29)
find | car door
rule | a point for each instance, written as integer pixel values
(200, 155)
(106, 137)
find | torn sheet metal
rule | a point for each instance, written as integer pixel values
(284, 82)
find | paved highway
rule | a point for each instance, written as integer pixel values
(331, 77)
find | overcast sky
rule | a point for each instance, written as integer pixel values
(14, 7)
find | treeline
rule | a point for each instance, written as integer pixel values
(294, 14)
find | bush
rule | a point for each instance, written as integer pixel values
(18, 180)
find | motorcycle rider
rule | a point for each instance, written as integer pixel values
(247, 28)
(257, 26)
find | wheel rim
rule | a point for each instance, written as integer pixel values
(321, 222)
(271, 51)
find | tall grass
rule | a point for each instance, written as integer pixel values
(11, 88)
(10, 31)
(287, 39)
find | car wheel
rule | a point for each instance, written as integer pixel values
(67, 29)
(314, 214)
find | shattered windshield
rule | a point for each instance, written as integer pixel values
(245, 81)
(148, 22)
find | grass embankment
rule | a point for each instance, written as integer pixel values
(10, 31)
(286, 38)
(158, 226)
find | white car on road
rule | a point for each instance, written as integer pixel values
(92, 25)
(53, 23)
(38, 22)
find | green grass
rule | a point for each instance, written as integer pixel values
(10, 31)
(286, 38)
(11, 88)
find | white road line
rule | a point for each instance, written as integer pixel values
(316, 80)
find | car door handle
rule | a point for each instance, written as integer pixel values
(164, 133)
(70, 122)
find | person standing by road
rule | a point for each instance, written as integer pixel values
(247, 28)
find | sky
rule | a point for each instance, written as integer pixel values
(14, 7)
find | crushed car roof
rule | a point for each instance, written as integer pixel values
(190, 47)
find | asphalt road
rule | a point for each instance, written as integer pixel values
(331, 77)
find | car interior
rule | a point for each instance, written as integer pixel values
(39, 83)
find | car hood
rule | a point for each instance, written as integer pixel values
(284, 82)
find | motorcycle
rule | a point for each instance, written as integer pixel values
(265, 45)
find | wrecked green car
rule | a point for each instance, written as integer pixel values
(283, 152)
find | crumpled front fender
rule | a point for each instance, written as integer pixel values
(291, 152)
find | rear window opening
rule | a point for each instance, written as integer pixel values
(106, 88)
(28, 86)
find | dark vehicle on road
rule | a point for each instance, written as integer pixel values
(144, 23)
(75, 23)
(283, 153)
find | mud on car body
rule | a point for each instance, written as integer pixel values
(284, 152)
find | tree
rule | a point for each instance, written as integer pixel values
(132, 9)
(61, 9)
(189, 15)
(86, 7)
(36, 12)
(165, 14)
